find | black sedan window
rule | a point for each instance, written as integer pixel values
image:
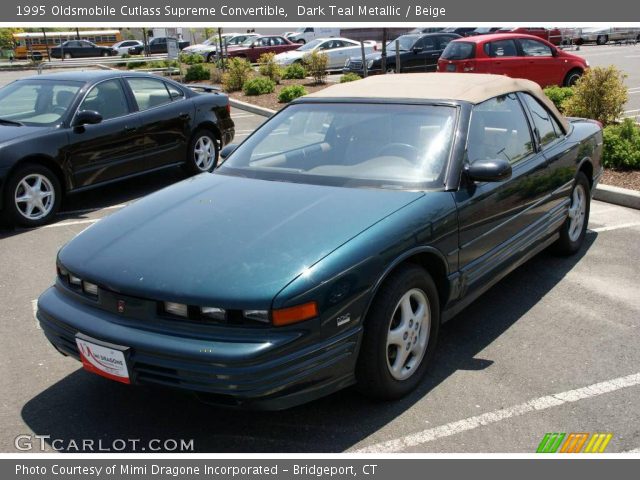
(108, 99)
(374, 145)
(37, 102)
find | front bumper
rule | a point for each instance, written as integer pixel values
(269, 370)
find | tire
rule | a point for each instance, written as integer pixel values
(574, 228)
(211, 58)
(377, 374)
(602, 39)
(48, 191)
(572, 77)
(197, 163)
(105, 54)
(68, 55)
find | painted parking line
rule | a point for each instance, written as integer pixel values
(71, 222)
(471, 423)
(615, 227)
(34, 311)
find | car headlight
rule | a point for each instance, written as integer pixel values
(90, 288)
(370, 63)
(214, 313)
(177, 309)
(258, 315)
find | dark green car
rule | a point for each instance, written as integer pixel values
(327, 249)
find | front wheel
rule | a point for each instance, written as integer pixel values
(574, 229)
(32, 196)
(211, 58)
(105, 54)
(400, 334)
(203, 152)
(602, 39)
(572, 78)
(67, 55)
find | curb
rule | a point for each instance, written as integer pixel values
(265, 112)
(618, 196)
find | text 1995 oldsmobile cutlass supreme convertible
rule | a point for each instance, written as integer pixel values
(328, 248)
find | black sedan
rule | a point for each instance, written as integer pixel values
(80, 49)
(329, 247)
(67, 132)
(417, 52)
(157, 45)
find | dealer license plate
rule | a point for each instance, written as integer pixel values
(103, 358)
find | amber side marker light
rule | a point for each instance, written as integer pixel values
(287, 316)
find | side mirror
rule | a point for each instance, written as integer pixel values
(228, 150)
(86, 117)
(489, 170)
(554, 52)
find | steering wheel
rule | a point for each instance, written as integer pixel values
(399, 149)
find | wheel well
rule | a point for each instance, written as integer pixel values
(45, 162)
(436, 267)
(587, 169)
(213, 128)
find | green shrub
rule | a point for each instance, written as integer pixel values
(190, 58)
(133, 65)
(559, 95)
(238, 72)
(622, 145)
(268, 67)
(291, 92)
(295, 71)
(349, 77)
(316, 64)
(197, 72)
(216, 75)
(599, 94)
(258, 86)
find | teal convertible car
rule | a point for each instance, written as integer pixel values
(327, 249)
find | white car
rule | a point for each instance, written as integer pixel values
(337, 49)
(123, 47)
(208, 43)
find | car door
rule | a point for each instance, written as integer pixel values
(415, 59)
(335, 53)
(541, 65)
(112, 148)
(503, 58)
(166, 118)
(495, 217)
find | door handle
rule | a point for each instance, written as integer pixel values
(184, 116)
(130, 129)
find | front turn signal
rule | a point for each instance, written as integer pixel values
(299, 313)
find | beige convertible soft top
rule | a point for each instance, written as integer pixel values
(469, 87)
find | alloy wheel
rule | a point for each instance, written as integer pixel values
(577, 212)
(204, 153)
(34, 196)
(408, 334)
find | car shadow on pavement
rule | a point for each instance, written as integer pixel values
(85, 406)
(80, 206)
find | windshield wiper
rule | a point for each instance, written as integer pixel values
(4, 121)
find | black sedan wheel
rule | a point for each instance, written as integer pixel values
(400, 334)
(32, 196)
(574, 228)
(203, 152)
(67, 55)
(105, 54)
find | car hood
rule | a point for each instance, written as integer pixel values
(222, 240)
(290, 55)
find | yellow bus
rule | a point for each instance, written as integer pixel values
(33, 44)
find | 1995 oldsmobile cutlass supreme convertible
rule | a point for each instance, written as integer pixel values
(327, 249)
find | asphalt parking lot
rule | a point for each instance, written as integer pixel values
(551, 348)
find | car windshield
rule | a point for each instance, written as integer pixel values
(307, 47)
(458, 51)
(346, 144)
(406, 42)
(37, 102)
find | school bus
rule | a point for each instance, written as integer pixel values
(33, 44)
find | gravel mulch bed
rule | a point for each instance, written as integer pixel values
(622, 178)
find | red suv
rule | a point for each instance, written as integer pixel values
(514, 55)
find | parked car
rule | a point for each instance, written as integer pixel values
(603, 35)
(462, 31)
(553, 35)
(252, 48)
(67, 132)
(123, 47)
(483, 31)
(514, 55)
(338, 50)
(418, 53)
(347, 228)
(210, 52)
(80, 49)
(426, 30)
(306, 34)
(157, 45)
(209, 42)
